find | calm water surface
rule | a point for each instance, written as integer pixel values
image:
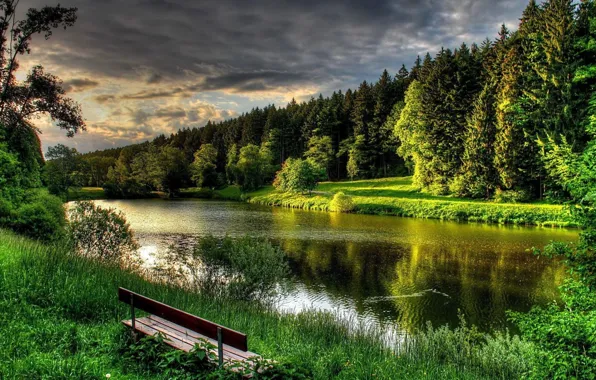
(388, 270)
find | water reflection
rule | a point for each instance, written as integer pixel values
(387, 269)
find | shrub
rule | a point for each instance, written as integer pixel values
(40, 216)
(247, 268)
(341, 203)
(101, 233)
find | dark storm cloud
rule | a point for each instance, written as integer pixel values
(246, 46)
(79, 84)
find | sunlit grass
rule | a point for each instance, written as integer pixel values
(86, 193)
(397, 196)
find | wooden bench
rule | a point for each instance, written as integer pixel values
(182, 330)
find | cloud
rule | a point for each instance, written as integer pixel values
(157, 56)
(79, 84)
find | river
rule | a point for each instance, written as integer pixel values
(389, 270)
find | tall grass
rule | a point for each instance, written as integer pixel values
(60, 318)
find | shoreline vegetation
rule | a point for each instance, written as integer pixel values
(389, 196)
(60, 317)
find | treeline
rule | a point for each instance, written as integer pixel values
(475, 121)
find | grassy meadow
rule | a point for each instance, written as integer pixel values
(397, 196)
(60, 318)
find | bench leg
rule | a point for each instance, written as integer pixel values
(132, 315)
(220, 347)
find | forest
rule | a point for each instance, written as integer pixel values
(474, 121)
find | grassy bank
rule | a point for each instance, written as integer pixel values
(388, 196)
(86, 194)
(59, 318)
(397, 196)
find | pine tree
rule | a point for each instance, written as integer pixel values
(362, 117)
(384, 100)
(478, 176)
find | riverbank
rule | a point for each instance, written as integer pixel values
(397, 197)
(388, 196)
(60, 318)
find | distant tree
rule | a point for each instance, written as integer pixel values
(352, 166)
(98, 169)
(172, 167)
(231, 161)
(409, 131)
(478, 176)
(362, 117)
(320, 151)
(298, 176)
(253, 166)
(64, 169)
(204, 165)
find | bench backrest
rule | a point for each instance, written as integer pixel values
(202, 326)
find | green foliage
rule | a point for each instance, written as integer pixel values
(352, 166)
(151, 354)
(101, 233)
(253, 166)
(341, 203)
(11, 178)
(501, 354)
(409, 131)
(40, 216)
(231, 169)
(566, 332)
(63, 170)
(320, 151)
(140, 169)
(298, 176)
(247, 268)
(204, 165)
(511, 196)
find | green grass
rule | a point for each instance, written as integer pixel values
(60, 318)
(397, 196)
(86, 194)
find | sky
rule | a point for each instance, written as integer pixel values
(140, 68)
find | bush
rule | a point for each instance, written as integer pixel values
(248, 268)
(341, 203)
(40, 216)
(101, 233)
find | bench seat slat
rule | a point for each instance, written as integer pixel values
(182, 338)
(186, 332)
(168, 329)
(148, 330)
